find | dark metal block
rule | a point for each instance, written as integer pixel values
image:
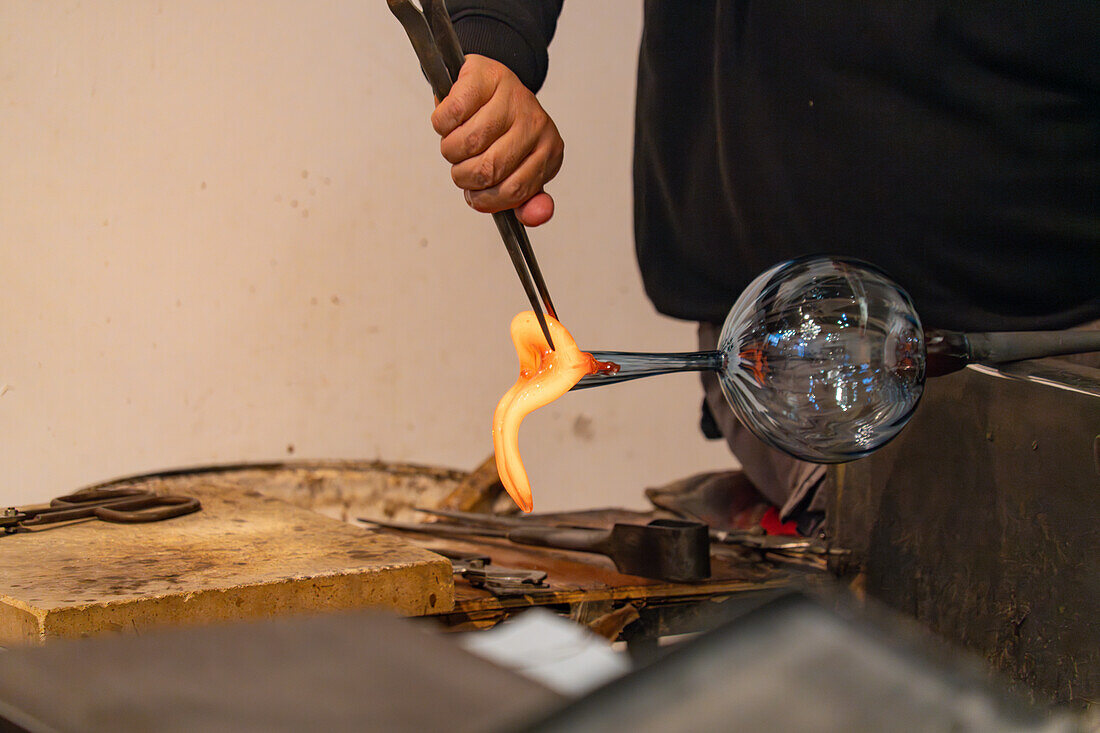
(982, 520)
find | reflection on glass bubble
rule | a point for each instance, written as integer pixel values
(823, 358)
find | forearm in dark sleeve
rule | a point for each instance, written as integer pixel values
(513, 32)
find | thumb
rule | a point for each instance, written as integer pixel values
(536, 210)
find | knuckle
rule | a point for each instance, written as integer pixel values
(515, 190)
(481, 204)
(486, 171)
(468, 97)
(494, 72)
(471, 64)
(472, 143)
(541, 126)
(495, 127)
(555, 153)
(551, 170)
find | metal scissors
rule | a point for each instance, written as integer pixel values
(436, 45)
(127, 506)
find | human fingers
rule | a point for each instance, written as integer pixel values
(520, 186)
(474, 136)
(476, 83)
(534, 212)
(498, 161)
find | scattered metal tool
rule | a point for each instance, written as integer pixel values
(436, 45)
(775, 543)
(664, 549)
(126, 506)
(479, 572)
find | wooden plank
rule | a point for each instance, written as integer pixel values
(478, 491)
(244, 555)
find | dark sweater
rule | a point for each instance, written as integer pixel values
(955, 145)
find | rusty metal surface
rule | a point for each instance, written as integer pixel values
(982, 520)
(577, 576)
(588, 584)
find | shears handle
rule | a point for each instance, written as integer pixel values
(128, 506)
(153, 508)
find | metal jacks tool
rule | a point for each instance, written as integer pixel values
(440, 54)
(664, 549)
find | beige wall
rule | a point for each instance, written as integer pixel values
(225, 230)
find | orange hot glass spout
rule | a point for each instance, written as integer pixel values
(544, 376)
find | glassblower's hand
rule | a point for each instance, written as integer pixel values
(502, 146)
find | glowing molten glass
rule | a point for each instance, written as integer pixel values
(544, 376)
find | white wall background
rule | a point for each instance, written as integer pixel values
(225, 229)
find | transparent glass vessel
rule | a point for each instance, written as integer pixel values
(825, 357)
(821, 357)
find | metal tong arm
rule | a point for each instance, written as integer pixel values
(479, 519)
(525, 532)
(426, 45)
(437, 529)
(436, 45)
(580, 539)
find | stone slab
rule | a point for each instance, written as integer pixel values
(245, 555)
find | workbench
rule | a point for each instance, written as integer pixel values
(358, 671)
(587, 588)
(262, 547)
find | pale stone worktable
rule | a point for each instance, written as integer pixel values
(245, 555)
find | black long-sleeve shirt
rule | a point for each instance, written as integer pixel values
(955, 145)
